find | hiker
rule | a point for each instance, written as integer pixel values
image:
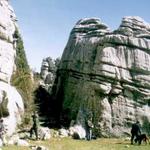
(135, 131)
(2, 131)
(89, 126)
(34, 126)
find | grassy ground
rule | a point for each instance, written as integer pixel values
(71, 144)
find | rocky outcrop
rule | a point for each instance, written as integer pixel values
(11, 105)
(11, 112)
(107, 74)
(48, 72)
(7, 51)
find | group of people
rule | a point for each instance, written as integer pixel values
(135, 130)
(136, 135)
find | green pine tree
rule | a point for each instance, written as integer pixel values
(21, 78)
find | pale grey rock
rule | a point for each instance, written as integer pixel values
(1, 143)
(55, 133)
(134, 26)
(127, 139)
(44, 133)
(106, 73)
(39, 148)
(16, 140)
(63, 132)
(7, 51)
(13, 139)
(48, 72)
(21, 142)
(90, 27)
(15, 107)
(44, 69)
(77, 131)
(48, 66)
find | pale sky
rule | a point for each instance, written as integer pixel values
(45, 25)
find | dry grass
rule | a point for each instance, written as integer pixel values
(71, 144)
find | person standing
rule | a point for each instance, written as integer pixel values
(135, 131)
(35, 125)
(89, 127)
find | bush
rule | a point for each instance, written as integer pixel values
(146, 125)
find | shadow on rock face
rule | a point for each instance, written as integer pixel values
(3, 105)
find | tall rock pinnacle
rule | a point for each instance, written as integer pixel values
(106, 73)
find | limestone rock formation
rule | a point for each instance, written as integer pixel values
(7, 52)
(11, 105)
(48, 71)
(106, 73)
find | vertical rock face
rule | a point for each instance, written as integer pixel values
(107, 74)
(11, 105)
(7, 51)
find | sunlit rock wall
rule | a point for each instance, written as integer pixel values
(11, 104)
(107, 74)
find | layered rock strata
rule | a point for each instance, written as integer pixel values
(107, 74)
(11, 105)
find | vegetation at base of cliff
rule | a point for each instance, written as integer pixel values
(21, 78)
(146, 125)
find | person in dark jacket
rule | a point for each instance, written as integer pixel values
(34, 126)
(135, 131)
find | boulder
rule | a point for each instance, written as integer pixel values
(11, 107)
(21, 142)
(106, 73)
(39, 148)
(55, 133)
(44, 133)
(13, 139)
(77, 132)
(63, 132)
